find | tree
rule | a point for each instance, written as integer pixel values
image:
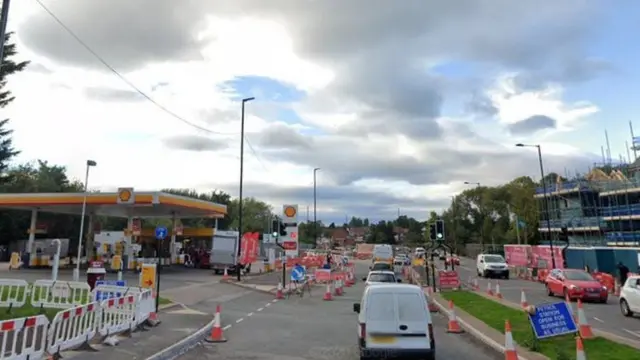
(7, 67)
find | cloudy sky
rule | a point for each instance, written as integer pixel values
(398, 102)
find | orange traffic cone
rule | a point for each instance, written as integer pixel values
(498, 293)
(337, 291)
(476, 287)
(327, 294)
(216, 335)
(523, 299)
(153, 319)
(616, 288)
(489, 289)
(454, 326)
(568, 301)
(347, 281)
(279, 294)
(509, 347)
(225, 277)
(580, 355)
(583, 325)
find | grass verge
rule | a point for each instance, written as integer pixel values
(558, 348)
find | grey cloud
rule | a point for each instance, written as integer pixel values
(195, 143)
(110, 94)
(570, 70)
(532, 124)
(38, 68)
(343, 201)
(279, 136)
(481, 105)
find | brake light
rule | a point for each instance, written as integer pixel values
(431, 332)
(363, 331)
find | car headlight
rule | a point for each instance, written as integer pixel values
(573, 287)
(604, 288)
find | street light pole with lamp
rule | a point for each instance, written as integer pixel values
(240, 210)
(315, 214)
(546, 200)
(76, 271)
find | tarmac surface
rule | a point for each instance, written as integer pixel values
(257, 327)
(603, 317)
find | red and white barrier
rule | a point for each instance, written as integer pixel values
(117, 315)
(32, 330)
(73, 327)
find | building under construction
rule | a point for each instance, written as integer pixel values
(600, 208)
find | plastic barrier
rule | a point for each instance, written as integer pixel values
(28, 338)
(145, 305)
(118, 315)
(13, 293)
(59, 294)
(73, 327)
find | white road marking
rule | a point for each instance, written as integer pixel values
(596, 319)
(250, 314)
(239, 320)
(226, 327)
(268, 304)
(260, 309)
(634, 333)
(274, 300)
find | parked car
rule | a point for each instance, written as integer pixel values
(576, 284)
(489, 265)
(394, 319)
(452, 259)
(630, 296)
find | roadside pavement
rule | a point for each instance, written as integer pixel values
(603, 317)
(176, 324)
(310, 328)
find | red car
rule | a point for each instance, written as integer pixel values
(455, 260)
(577, 284)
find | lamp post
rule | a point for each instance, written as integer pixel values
(477, 184)
(546, 201)
(76, 271)
(315, 210)
(240, 210)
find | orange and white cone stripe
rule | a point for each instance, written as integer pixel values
(523, 299)
(279, 294)
(216, 335)
(510, 352)
(454, 326)
(489, 289)
(580, 355)
(498, 293)
(583, 326)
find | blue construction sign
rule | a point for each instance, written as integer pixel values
(552, 320)
(298, 273)
(161, 232)
(100, 296)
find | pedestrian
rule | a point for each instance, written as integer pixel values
(624, 273)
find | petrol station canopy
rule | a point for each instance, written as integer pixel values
(125, 203)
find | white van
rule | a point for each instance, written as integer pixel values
(394, 322)
(383, 252)
(490, 265)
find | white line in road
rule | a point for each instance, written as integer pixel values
(268, 304)
(634, 333)
(226, 327)
(274, 300)
(239, 320)
(250, 314)
(260, 309)
(596, 319)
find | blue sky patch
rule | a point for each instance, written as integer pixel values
(264, 89)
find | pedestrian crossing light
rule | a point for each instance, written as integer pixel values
(439, 230)
(432, 232)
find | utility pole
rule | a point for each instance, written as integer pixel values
(315, 204)
(240, 209)
(4, 19)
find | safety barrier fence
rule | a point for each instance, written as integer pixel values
(85, 317)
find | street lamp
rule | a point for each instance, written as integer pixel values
(546, 201)
(315, 210)
(477, 184)
(76, 271)
(240, 211)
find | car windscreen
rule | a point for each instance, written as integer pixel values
(493, 259)
(381, 266)
(578, 276)
(382, 278)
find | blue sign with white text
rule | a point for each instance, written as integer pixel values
(161, 232)
(100, 296)
(552, 320)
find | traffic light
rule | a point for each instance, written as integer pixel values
(439, 230)
(283, 229)
(564, 234)
(432, 232)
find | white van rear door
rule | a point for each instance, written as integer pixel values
(413, 321)
(381, 321)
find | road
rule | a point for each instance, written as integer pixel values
(259, 327)
(604, 317)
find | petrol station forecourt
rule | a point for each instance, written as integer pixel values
(124, 203)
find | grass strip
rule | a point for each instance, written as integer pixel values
(558, 348)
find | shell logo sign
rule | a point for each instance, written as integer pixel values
(290, 211)
(125, 196)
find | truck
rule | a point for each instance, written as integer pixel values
(224, 251)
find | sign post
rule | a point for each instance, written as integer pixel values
(161, 234)
(290, 220)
